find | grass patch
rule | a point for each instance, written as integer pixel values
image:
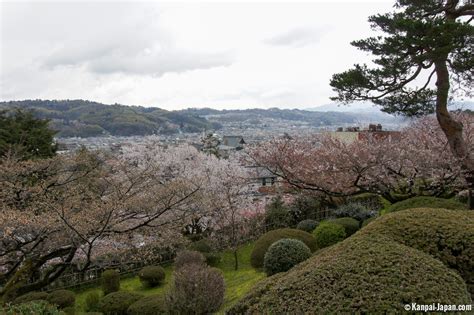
(238, 282)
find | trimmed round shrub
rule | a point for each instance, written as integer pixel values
(92, 301)
(33, 307)
(151, 276)
(328, 233)
(149, 305)
(203, 246)
(62, 298)
(117, 303)
(368, 221)
(445, 234)
(307, 225)
(350, 225)
(189, 257)
(110, 281)
(362, 275)
(197, 289)
(31, 296)
(354, 210)
(284, 254)
(263, 243)
(427, 202)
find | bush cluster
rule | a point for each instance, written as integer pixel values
(31, 308)
(189, 257)
(62, 298)
(31, 296)
(110, 281)
(350, 225)
(204, 247)
(263, 243)
(328, 233)
(197, 289)
(284, 254)
(277, 215)
(307, 225)
(151, 276)
(117, 303)
(427, 202)
(394, 261)
(354, 210)
(92, 301)
(149, 305)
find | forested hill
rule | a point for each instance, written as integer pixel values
(87, 119)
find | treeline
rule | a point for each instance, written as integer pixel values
(81, 118)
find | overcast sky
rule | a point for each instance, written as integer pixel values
(173, 56)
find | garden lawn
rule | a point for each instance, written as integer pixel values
(237, 282)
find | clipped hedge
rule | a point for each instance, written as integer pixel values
(329, 233)
(110, 281)
(62, 298)
(151, 276)
(263, 243)
(307, 225)
(284, 254)
(364, 275)
(426, 202)
(31, 296)
(445, 234)
(350, 225)
(92, 301)
(149, 305)
(117, 303)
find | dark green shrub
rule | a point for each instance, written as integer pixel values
(188, 257)
(328, 233)
(368, 221)
(284, 254)
(212, 259)
(38, 307)
(110, 281)
(31, 296)
(117, 303)
(445, 234)
(362, 275)
(151, 276)
(354, 210)
(427, 202)
(149, 305)
(70, 310)
(92, 301)
(350, 225)
(267, 239)
(203, 246)
(305, 207)
(307, 225)
(62, 298)
(277, 215)
(197, 289)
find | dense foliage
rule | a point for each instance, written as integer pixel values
(189, 257)
(204, 247)
(363, 274)
(117, 303)
(277, 214)
(39, 307)
(92, 301)
(149, 305)
(354, 210)
(263, 243)
(110, 281)
(196, 289)
(350, 225)
(31, 296)
(426, 202)
(328, 233)
(25, 136)
(62, 298)
(307, 225)
(284, 254)
(151, 276)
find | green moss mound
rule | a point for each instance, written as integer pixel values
(329, 233)
(360, 275)
(427, 202)
(350, 225)
(267, 239)
(117, 303)
(444, 234)
(284, 254)
(149, 305)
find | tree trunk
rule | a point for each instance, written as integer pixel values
(452, 128)
(236, 258)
